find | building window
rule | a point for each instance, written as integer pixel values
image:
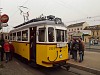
(41, 36)
(69, 29)
(72, 29)
(77, 28)
(97, 33)
(93, 33)
(80, 28)
(51, 34)
(19, 36)
(25, 35)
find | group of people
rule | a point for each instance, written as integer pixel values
(76, 46)
(6, 48)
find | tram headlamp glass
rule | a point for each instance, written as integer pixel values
(60, 56)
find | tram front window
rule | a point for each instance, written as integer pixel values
(60, 35)
(41, 36)
(51, 34)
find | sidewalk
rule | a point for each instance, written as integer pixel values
(91, 62)
(96, 46)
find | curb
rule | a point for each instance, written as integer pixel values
(88, 69)
(93, 48)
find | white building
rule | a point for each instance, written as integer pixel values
(78, 30)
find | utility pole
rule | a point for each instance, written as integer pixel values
(25, 12)
(1, 64)
(0, 18)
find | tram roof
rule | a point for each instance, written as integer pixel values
(38, 23)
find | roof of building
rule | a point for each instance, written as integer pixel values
(96, 27)
(75, 25)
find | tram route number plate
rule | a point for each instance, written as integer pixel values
(61, 44)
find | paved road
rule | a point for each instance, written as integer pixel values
(16, 67)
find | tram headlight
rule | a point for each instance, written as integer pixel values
(60, 56)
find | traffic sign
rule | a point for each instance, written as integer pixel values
(4, 18)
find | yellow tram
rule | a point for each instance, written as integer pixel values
(41, 40)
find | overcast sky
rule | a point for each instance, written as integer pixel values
(71, 11)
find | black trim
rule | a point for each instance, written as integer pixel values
(45, 62)
(47, 43)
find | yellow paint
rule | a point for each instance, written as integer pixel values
(45, 51)
(42, 52)
(22, 49)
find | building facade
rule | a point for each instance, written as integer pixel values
(95, 32)
(78, 31)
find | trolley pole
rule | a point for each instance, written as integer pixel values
(25, 12)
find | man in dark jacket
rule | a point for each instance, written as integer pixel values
(75, 47)
(81, 50)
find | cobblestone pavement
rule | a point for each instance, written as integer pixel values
(15, 69)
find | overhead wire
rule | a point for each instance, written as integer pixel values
(43, 8)
(18, 9)
(78, 10)
(70, 6)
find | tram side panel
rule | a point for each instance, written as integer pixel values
(47, 55)
(41, 54)
(22, 49)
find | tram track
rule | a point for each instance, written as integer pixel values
(64, 68)
(56, 71)
(40, 70)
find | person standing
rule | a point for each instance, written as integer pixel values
(75, 48)
(81, 50)
(12, 50)
(7, 50)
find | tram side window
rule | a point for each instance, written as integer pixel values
(14, 36)
(18, 36)
(41, 36)
(60, 35)
(10, 38)
(51, 34)
(25, 35)
(66, 36)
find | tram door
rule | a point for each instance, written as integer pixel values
(33, 43)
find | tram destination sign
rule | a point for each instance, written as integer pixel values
(61, 44)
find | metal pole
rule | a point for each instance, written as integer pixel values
(0, 16)
(1, 65)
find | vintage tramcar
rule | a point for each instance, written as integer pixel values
(41, 40)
